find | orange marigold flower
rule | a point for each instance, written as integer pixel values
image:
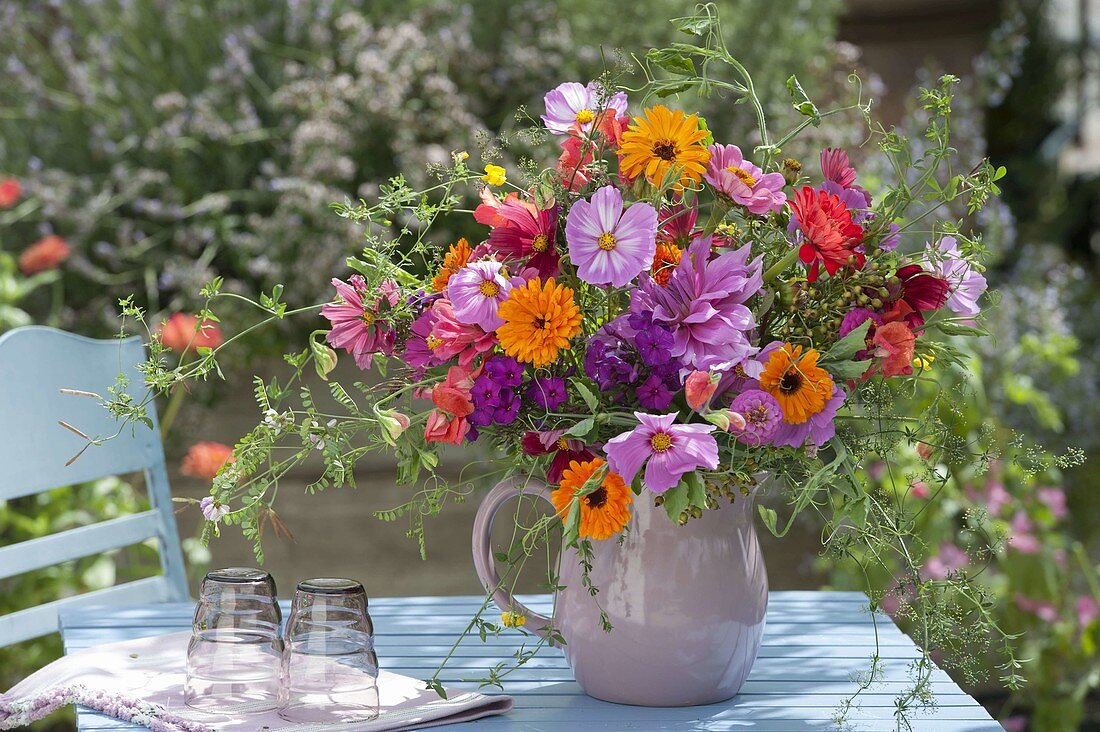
(539, 319)
(182, 333)
(604, 511)
(796, 381)
(45, 254)
(664, 140)
(665, 261)
(205, 459)
(455, 259)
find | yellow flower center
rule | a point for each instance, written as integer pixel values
(606, 241)
(433, 342)
(660, 442)
(562, 444)
(540, 243)
(488, 288)
(585, 116)
(665, 149)
(742, 175)
(368, 318)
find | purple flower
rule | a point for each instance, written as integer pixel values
(213, 510)
(703, 304)
(762, 415)
(746, 184)
(966, 283)
(654, 342)
(484, 391)
(653, 394)
(571, 103)
(477, 290)
(547, 392)
(817, 430)
(504, 370)
(507, 407)
(671, 450)
(608, 245)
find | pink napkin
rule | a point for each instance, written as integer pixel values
(141, 681)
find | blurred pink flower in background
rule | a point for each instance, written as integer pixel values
(994, 497)
(1088, 610)
(919, 489)
(180, 333)
(205, 459)
(1040, 608)
(1021, 539)
(949, 559)
(1054, 499)
(45, 254)
(10, 192)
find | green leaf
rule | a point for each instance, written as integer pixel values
(668, 91)
(676, 500)
(572, 524)
(589, 398)
(582, 428)
(849, 345)
(695, 25)
(672, 61)
(770, 519)
(696, 490)
(845, 370)
(801, 100)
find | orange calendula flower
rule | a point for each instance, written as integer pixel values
(664, 140)
(454, 260)
(796, 381)
(664, 262)
(604, 511)
(539, 319)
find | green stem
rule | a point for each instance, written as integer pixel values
(777, 269)
(173, 408)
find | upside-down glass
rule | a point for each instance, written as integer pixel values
(236, 646)
(330, 670)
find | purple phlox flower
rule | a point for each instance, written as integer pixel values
(1054, 499)
(356, 326)
(547, 392)
(507, 407)
(477, 290)
(704, 305)
(743, 182)
(966, 283)
(1022, 539)
(572, 103)
(504, 370)
(762, 415)
(653, 341)
(484, 392)
(949, 560)
(212, 510)
(816, 431)
(668, 450)
(855, 318)
(610, 245)
(653, 393)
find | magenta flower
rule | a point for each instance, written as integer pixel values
(817, 430)
(670, 449)
(949, 559)
(450, 337)
(608, 245)
(1022, 538)
(571, 104)
(965, 283)
(762, 414)
(356, 326)
(837, 169)
(527, 232)
(746, 184)
(1053, 498)
(477, 290)
(704, 305)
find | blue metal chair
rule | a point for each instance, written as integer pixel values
(35, 364)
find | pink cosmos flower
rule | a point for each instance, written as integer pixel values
(1022, 539)
(746, 184)
(572, 103)
(526, 232)
(966, 283)
(670, 449)
(355, 323)
(450, 337)
(488, 211)
(477, 290)
(608, 245)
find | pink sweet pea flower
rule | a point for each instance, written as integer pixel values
(670, 449)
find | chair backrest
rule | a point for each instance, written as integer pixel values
(35, 364)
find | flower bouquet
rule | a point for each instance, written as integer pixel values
(644, 331)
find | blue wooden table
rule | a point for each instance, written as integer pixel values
(814, 644)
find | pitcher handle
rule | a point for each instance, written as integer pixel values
(483, 552)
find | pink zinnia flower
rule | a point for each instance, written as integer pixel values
(477, 290)
(965, 283)
(526, 232)
(355, 323)
(608, 245)
(762, 415)
(572, 103)
(670, 449)
(450, 337)
(745, 183)
(565, 451)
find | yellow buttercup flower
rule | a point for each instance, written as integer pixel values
(539, 319)
(513, 620)
(664, 140)
(495, 175)
(924, 363)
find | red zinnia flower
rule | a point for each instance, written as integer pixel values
(45, 254)
(10, 191)
(830, 234)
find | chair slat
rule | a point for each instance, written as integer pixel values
(84, 541)
(37, 621)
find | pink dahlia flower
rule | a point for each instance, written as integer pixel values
(671, 450)
(745, 183)
(608, 245)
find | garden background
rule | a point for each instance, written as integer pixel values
(168, 142)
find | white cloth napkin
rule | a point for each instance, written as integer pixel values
(141, 681)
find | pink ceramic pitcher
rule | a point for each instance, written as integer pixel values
(686, 603)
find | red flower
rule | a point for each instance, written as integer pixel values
(527, 231)
(440, 428)
(10, 192)
(45, 254)
(920, 290)
(182, 334)
(564, 449)
(205, 459)
(895, 344)
(576, 155)
(453, 395)
(830, 234)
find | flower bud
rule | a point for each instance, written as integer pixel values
(726, 420)
(393, 424)
(699, 387)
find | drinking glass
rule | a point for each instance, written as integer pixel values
(236, 646)
(330, 670)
